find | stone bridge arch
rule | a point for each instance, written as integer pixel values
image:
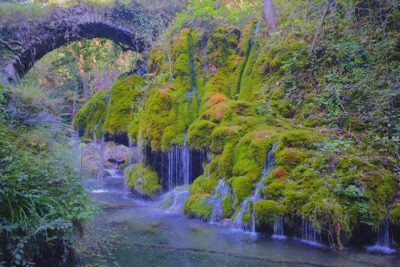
(24, 43)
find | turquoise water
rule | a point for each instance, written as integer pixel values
(138, 233)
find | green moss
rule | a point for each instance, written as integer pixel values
(223, 135)
(226, 160)
(218, 84)
(281, 103)
(203, 184)
(266, 212)
(242, 187)
(197, 206)
(325, 210)
(290, 157)
(300, 138)
(121, 107)
(275, 189)
(246, 81)
(395, 213)
(133, 131)
(247, 167)
(227, 206)
(142, 180)
(199, 134)
(216, 107)
(260, 141)
(91, 116)
(156, 117)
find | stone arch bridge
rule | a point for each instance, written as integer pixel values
(22, 43)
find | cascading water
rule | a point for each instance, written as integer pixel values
(95, 130)
(186, 161)
(174, 200)
(238, 222)
(278, 229)
(220, 191)
(309, 235)
(100, 172)
(179, 165)
(130, 154)
(382, 244)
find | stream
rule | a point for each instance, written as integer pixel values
(130, 232)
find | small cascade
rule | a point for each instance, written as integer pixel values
(256, 30)
(139, 147)
(309, 235)
(100, 172)
(174, 200)
(248, 59)
(95, 130)
(382, 244)
(130, 154)
(179, 165)
(238, 222)
(186, 161)
(76, 152)
(220, 191)
(278, 229)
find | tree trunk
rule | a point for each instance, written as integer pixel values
(321, 25)
(269, 15)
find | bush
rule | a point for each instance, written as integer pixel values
(42, 200)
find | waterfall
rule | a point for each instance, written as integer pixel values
(238, 222)
(173, 168)
(309, 235)
(278, 229)
(382, 243)
(174, 200)
(130, 153)
(95, 130)
(179, 165)
(139, 147)
(186, 161)
(220, 191)
(242, 89)
(100, 172)
(256, 30)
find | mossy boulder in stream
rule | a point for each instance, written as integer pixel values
(142, 181)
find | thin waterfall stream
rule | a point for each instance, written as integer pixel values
(238, 223)
(382, 243)
(136, 225)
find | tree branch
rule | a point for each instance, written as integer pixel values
(321, 25)
(8, 44)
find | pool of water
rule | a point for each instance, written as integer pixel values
(131, 232)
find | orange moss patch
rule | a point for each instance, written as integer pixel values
(279, 173)
(215, 99)
(164, 90)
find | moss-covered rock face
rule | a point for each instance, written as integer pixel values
(197, 206)
(121, 108)
(142, 181)
(199, 134)
(266, 212)
(90, 119)
(110, 111)
(236, 92)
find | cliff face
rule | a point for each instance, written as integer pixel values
(232, 90)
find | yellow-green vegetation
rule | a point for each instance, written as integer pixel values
(90, 118)
(110, 111)
(266, 212)
(237, 90)
(198, 207)
(121, 106)
(142, 180)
